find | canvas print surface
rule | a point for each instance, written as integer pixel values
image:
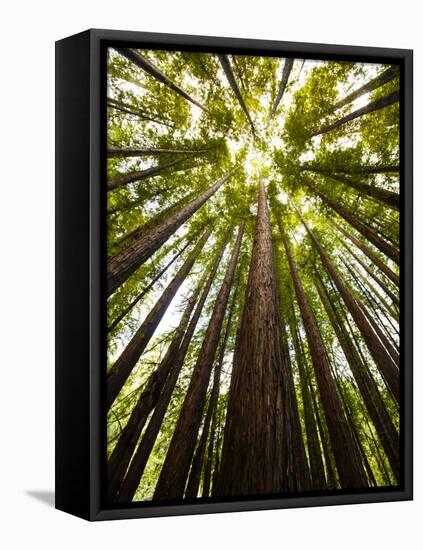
(252, 275)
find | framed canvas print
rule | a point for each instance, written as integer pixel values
(234, 274)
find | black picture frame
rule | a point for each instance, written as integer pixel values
(80, 268)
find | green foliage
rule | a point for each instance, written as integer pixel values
(291, 160)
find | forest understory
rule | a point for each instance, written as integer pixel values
(253, 275)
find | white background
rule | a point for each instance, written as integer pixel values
(27, 36)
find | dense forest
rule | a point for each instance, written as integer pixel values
(253, 275)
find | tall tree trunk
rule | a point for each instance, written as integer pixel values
(284, 81)
(139, 461)
(226, 65)
(173, 476)
(130, 110)
(389, 74)
(369, 391)
(145, 290)
(381, 357)
(117, 152)
(139, 175)
(380, 103)
(371, 255)
(254, 444)
(388, 198)
(146, 65)
(349, 466)
(215, 398)
(317, 469)
(386, 248)
(124, 263)
(122, 368)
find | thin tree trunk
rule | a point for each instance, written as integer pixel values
(331, 474)
(226, 65)
(173, 476)
(141, 174)
(130, 110)
(146, 65)
(367, 290)
(215, 398)
(140, 459)
(381, 357)
(389, 198)
(254, 445)
(371, 255)
(145, 290)
(387, 76)
(367, 386)
(349, 467)
(316, 463)
(122, 368)
(386, 248)
(128, 152)
(297, 454)
(124, 263)
(380, 103)
(284, 81)
(373, 275)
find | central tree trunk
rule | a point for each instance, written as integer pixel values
(254, 446)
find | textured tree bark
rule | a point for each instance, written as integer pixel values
(389, 198)
(139, 461)
(383, 360)
(128, 152)
(284, 81)
(226, 65)
(151, 69)
(380, 103)
(122, 368)
(254, 445)
(317, 469)
(386, 248)
(383, 78)
(348, 464)
(124, 263)
(174, 473)
(145, 290)
(371, 255)
(374, 403)
(142, 174)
